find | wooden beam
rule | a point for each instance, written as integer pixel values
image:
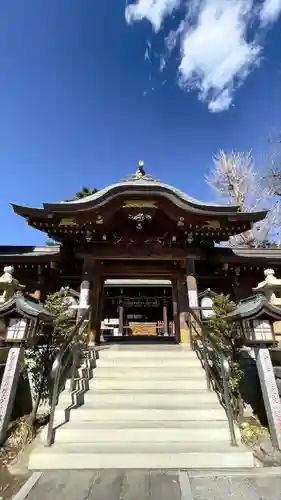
(133, 252)
(136, 275)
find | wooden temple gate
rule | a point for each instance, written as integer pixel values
(138, 228)
(180, 273)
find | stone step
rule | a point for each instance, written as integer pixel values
(142, 399)
(140, 456)
(151, 372)
(147, 384)
(140, 417)
(86, 432)
(145, 347)
(172, 352)
(142, 362)
(148, 424)
(139, 383)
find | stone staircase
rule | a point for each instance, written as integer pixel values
(145, 407)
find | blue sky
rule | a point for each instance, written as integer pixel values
(89, 87)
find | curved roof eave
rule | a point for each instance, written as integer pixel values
(27, 211)
(134, 186)
(141, 188)
(44, 253)
(262, 253)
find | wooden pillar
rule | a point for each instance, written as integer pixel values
(85, 297)
(165, 318)
(85, 288)
(183, 308)
(241, 285)
(97, 285)
(40, 281)
(47, 279)
(192, 292)
(191, 283)
(176, 310)
(101, 303)
(121, 317)
(53, 278)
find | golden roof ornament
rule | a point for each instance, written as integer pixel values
(140, 172)
(140, 175)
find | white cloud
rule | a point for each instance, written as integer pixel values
(221, 102)
(153, 11)
(216, 51)
(270, 11)
(170, 42)
(215, 54)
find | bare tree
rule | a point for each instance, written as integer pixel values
(273, 175)
(235, 178)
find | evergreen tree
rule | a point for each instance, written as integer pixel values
(226, 335)
(85, 191)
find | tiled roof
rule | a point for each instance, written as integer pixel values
(252, 306)
(27, 307)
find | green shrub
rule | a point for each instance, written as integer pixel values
(39, 359)
(226, 336)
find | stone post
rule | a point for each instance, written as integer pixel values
(176, 310)
(269, 287)
(183, 303)
(9, 387)
(270, 394)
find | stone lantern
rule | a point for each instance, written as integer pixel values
(255, 318)
(271, 288)
(8, 287)
(8, 284)
(23, 319)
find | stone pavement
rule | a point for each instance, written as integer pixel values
(152, 485)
